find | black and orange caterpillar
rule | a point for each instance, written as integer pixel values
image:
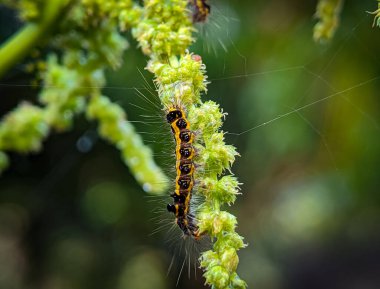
(200, 10)
(185, 172)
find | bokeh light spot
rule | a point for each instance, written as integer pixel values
(105, 203)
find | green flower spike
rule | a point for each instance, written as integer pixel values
(328, 19)
(180, 81)
(114, 127)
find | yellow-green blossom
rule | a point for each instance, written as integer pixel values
(328, 19)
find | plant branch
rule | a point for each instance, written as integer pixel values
(20, 44)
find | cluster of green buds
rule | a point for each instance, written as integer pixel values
(327, 13)
(214, 157)
(164, 29)
(23, 129)
(181, 81)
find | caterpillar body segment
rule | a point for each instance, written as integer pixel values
(185, 168)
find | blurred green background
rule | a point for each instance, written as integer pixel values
(305, 118)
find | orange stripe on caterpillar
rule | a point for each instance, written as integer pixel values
(185, 172)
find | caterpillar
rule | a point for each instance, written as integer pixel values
(200, 10)
(184, 184)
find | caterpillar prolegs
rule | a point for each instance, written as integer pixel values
(184, 184)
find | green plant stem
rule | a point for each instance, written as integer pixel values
(20, 44)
